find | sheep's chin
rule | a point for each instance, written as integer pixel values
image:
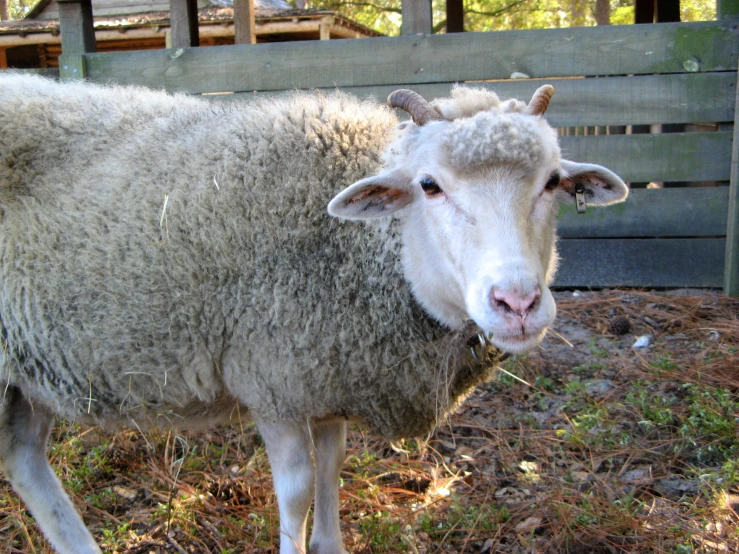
(517, 344)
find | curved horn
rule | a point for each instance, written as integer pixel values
(413, 103)
(540, 100)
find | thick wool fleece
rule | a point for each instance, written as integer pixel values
(489, 132)
(168, 260)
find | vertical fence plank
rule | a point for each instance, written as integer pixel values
(727, 9)
(644, 11)
(454, 16)
(416, 17)
(184, 23)
(78, 37)
(244, 25)
(76, 26)
(731, 259)
(72, 67)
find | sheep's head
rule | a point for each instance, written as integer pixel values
(475, 182)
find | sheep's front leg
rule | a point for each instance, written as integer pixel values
(289, 450)
(24, 433)
(329, 442)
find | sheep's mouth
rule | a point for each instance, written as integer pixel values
(518, 343)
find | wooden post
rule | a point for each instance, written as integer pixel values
(183, 21)
(416, 17)
(454, 16)
(727, 9)
(324, 31)
(244, 26)
(668, 11)
(3, 59)
(78, 38)
(657, 11)
(731, 256)
(644, 11)
(76, 26)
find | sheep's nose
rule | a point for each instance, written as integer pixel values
(511, 301)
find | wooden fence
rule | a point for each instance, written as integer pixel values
(681, 73)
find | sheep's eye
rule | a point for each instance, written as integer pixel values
(553, 182)
(430, 187)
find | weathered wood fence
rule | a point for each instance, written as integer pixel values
(682, 73)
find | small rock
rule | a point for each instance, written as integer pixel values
(619, 325)
(637, 476)
(676, 486)
(597, 387)
(128, 494)
(642, 342)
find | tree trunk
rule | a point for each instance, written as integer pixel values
(577, 12)
(4, 10)
(603, 12)
(300, 4)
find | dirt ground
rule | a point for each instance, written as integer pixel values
(589, 444)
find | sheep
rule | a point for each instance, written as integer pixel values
(166, 261)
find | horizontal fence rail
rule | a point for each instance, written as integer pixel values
(584, 51)
(642, 100)
(667, 157)
(649, 240)
(652, 213)
(695, 262)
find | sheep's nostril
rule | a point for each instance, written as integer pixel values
(512, 301)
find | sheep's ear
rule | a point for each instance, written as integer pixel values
(376, 196)
(602, 186)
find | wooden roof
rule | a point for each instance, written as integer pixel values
(48, 9)
(148, 24)
(36, 43)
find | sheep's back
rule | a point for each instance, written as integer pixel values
(135, 255)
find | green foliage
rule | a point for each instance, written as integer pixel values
(461, 517)
(497, 15)
(114, 538)
(480, 15)
(712, 425)
(383, 532)
(703, 420)
(17, 9)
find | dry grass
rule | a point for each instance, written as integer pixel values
(608, 449)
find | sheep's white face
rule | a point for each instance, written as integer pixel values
(478, 201)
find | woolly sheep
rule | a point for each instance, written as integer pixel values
(169, 261)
